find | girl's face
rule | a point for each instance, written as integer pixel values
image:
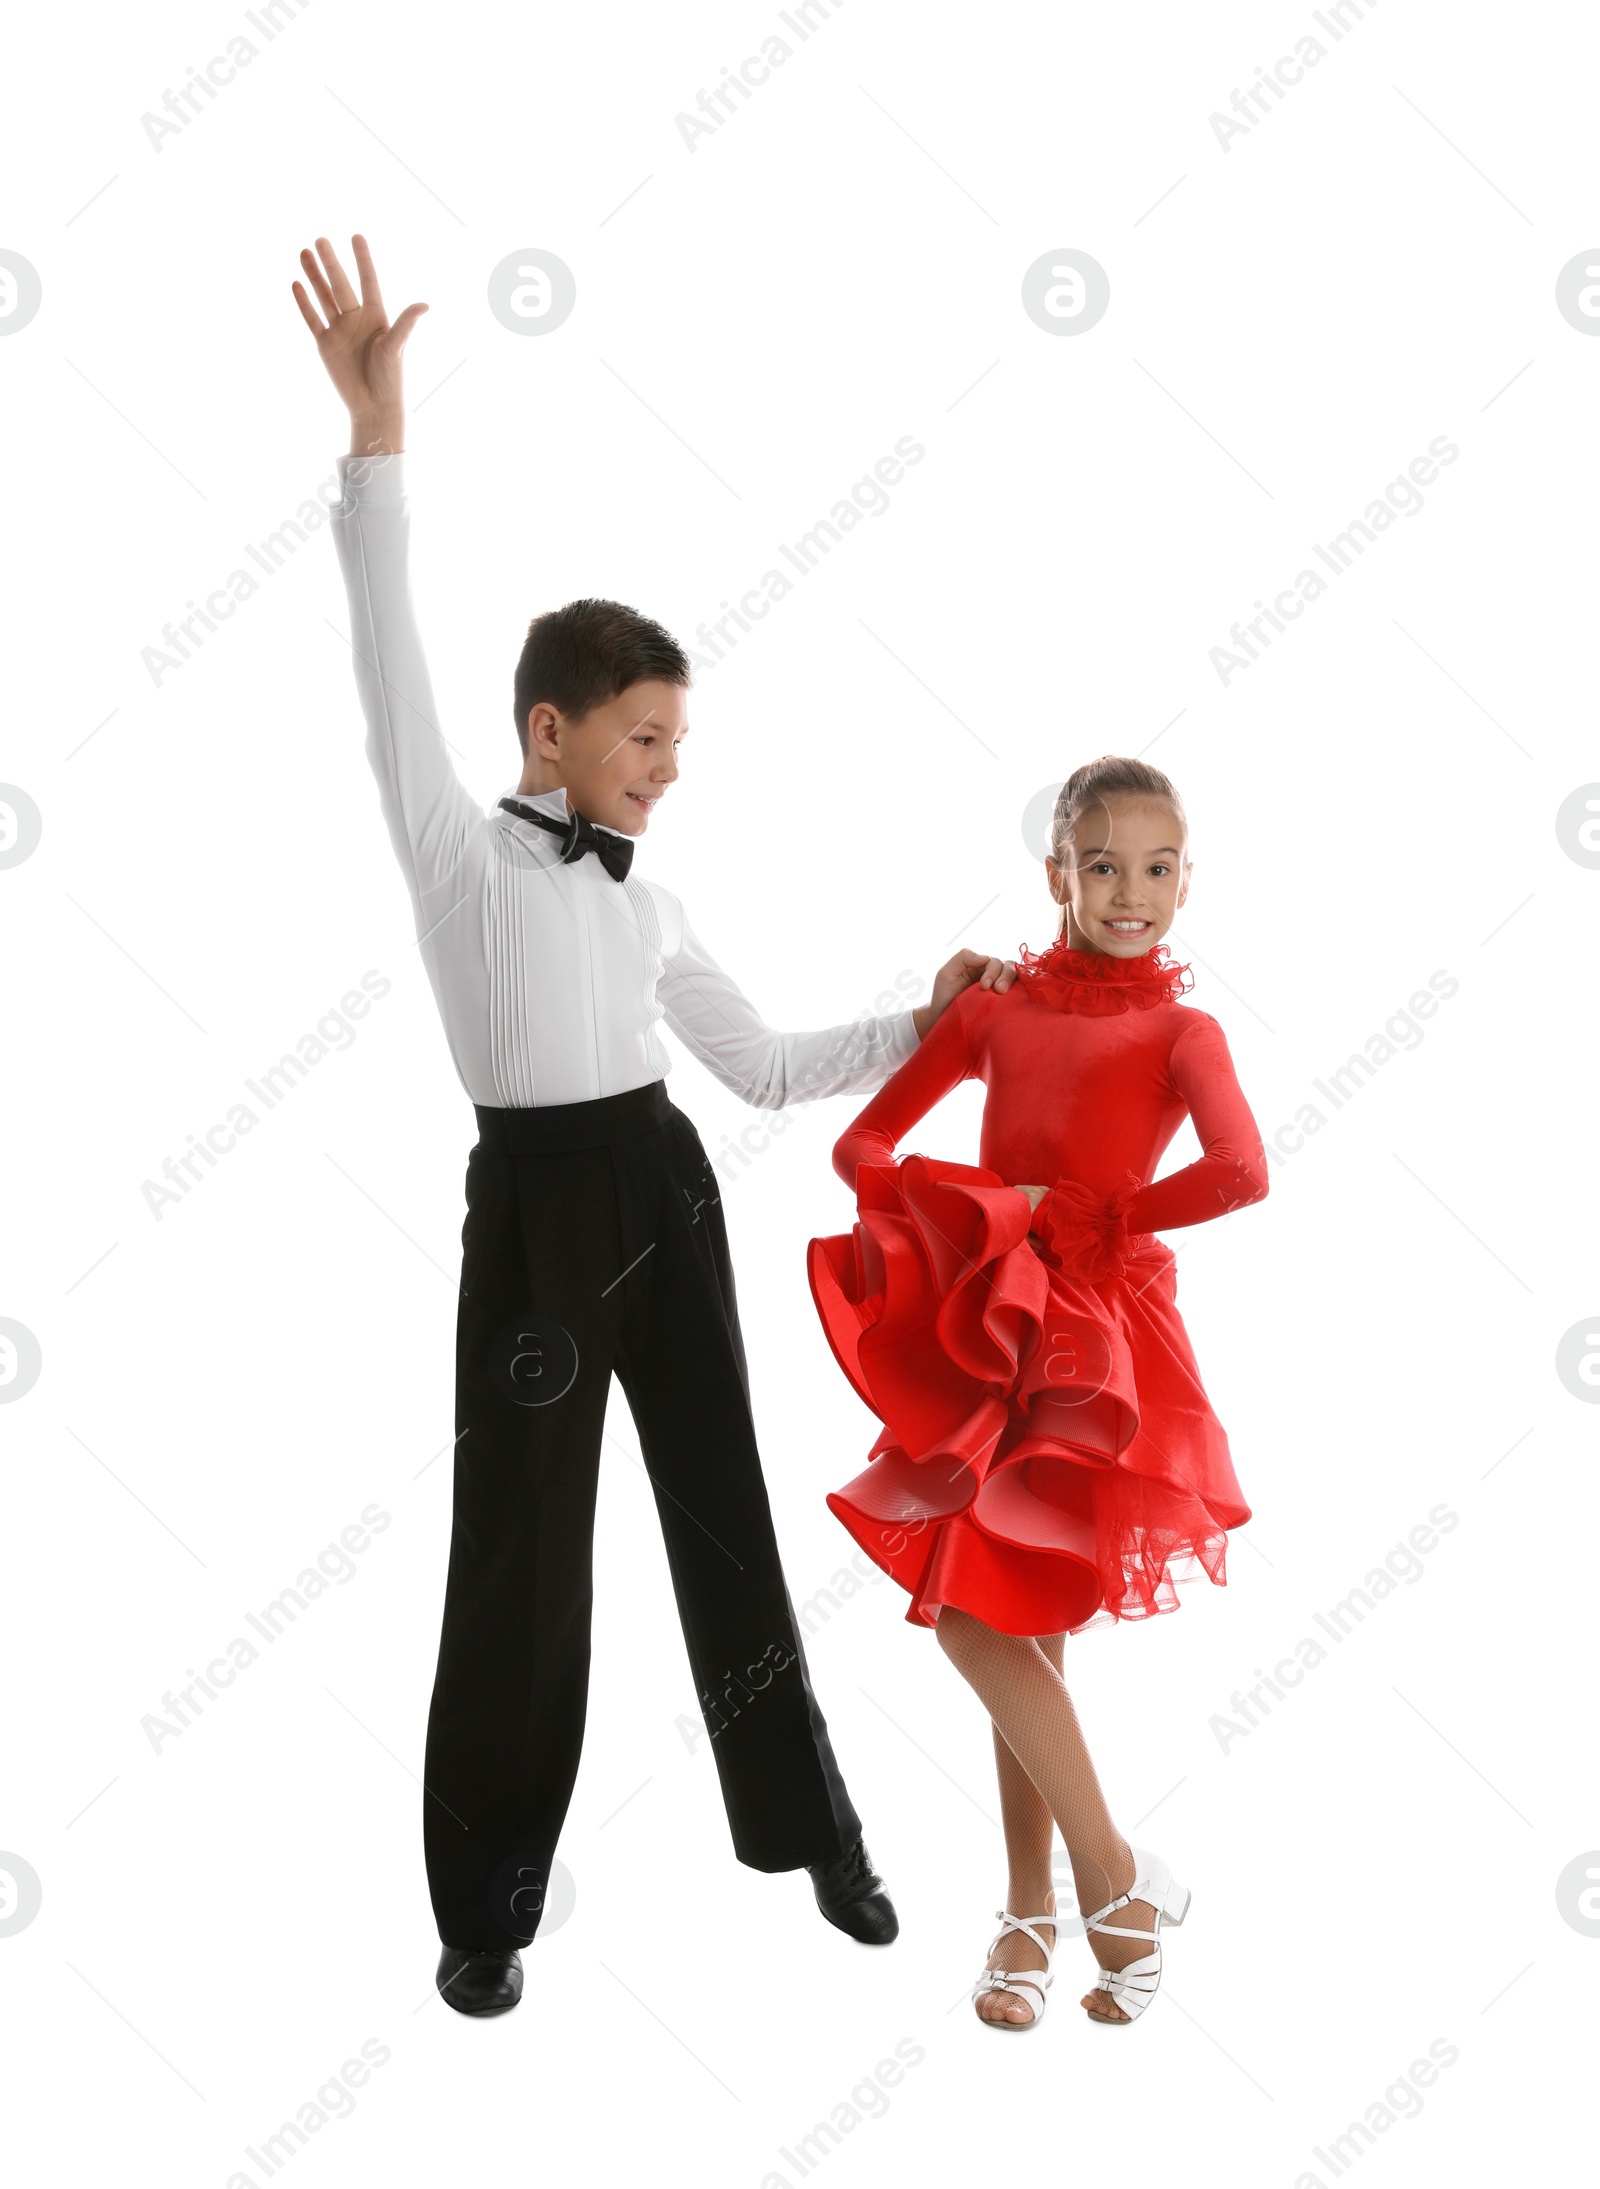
(1123, 876)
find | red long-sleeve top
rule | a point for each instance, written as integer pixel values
(1083, 1098)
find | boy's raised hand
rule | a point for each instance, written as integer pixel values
(357, 344)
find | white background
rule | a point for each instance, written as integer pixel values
(224, 1390)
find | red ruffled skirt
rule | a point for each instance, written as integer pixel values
(1049, 1459)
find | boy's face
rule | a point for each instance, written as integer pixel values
(614, 765)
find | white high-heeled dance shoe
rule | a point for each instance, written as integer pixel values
(1012, 1980)
(1132, 1988)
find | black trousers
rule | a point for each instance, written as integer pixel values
(594, 1244)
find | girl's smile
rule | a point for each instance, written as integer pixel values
(1121, 876)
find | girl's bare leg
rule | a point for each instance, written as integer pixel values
(1022, 1689)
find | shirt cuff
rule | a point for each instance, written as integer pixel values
(375, 482)
(902, 1039)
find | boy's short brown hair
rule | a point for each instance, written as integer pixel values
(576, 658)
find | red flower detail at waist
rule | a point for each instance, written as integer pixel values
(1086, 1233)
(1098, 985)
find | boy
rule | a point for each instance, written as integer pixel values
(594, 1241)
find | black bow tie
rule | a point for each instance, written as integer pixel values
(615, 853)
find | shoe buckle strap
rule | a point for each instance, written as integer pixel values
(1144, 1984)
(1011, 1979)
(1024, 1925)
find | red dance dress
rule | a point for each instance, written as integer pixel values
(1049, 1459)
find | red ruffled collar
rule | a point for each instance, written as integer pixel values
(1098, 985)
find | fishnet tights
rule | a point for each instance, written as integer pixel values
(1047, 1779)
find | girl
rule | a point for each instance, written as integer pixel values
(1049, 1460)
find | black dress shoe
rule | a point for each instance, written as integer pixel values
(488, 1982)
(854, 1898)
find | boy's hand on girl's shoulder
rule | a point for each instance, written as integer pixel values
(967, 969)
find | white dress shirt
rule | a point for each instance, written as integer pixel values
(550, 979)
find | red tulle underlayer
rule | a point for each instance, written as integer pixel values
(1049, 1459)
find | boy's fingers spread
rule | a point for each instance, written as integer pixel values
(344, 296)
(319, 283)
(306, 313)
(370, 292)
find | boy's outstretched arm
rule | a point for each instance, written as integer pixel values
(771, 1069)
(431, 818)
